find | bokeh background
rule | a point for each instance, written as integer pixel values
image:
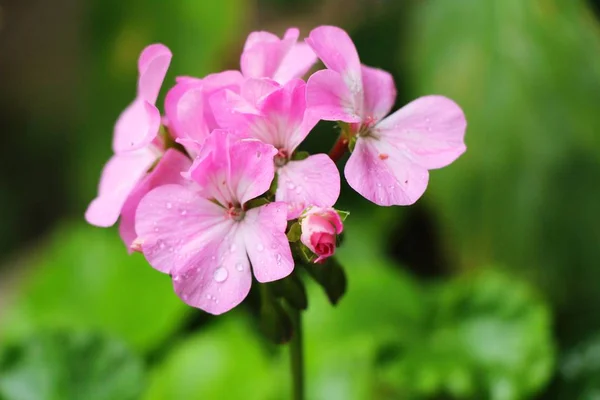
(487, 288)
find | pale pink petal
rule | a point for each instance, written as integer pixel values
(383, 174)
(328, 97)
(168, 170)
(430, 130)
(314, 181)
(266, 243)
(136, 127)
(264, 52)
(174, 223)
(232, 111)
(295, 63)
(184, 106)
(257, 37)
(218, 278)
(254, 91)
(187, 79)
(119, 177)
(152, 65)
(380, 93)
(225, 80)
(337, 51)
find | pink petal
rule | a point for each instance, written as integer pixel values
(264, 52)
(255, 38)
(295, 63)
(119, 177)
(314, 181)
(225, 80)
(383, 174)
(337, 51)
(430, 130)
(266, 243)
(233, 171)
(152, 65)
(254, 91)
(380, 93)
(218, 278)
(168, 170)
(328, 97)
(136, 127)
(232, 111)
(174, 223)
(184, 106)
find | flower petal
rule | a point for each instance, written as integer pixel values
(430, 129)
(266, 243)
(380, 93)
(119, 177)
(152, 66)
(184, 107)
(314, 181)
(328, 97)
(263, 53)
(337, 51)
(295, 63)
(384, 174)
(136, 127)
(218, 278)
(168, 170)
(175, 223)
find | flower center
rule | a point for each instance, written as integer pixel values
(281, 158)
(235, 213)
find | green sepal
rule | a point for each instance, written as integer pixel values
(275, 322)
(257, 202)
(331, 277)
(294, 232)
(292, 290)
(343, 214)
(300, 155)
(351, 143)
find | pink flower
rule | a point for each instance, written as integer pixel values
(267, 56)
(203, 234)
(320, 227)
(277, 115)
(135, 144)
(390, 161)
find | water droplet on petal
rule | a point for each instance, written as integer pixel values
(260, 247)
(208, 296)
(220, 274)
(183, 212)
(278, 258)
(290, 185)
(232, 247)
(239, 266)
(161, 245)
(305, 177)
(378, 184)
(169, 205)
(299, 190)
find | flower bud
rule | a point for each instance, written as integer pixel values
(320, 227)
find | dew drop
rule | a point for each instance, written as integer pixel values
(161, 245)
(239, 267)
(290, 185)
(220, 274)
(378, 184)
(299, 190)
(208, 296)
(305, 177)
(278, 258)
(156, 229)
(169, 205)
(260, 247)
(232, 248)
(183, 212)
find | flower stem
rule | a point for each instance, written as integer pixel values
(339, 148)
(297, 356)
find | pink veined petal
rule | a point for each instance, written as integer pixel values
(328, 97)
(225, 80)
(430, 130)
(314, 181)
(337, 51)
(187, 79)
(254, 91)
(184, 106)
(175, 223)
(264, 52)
(232, 111)
(384, 174)
(168, 170)
(295, 63)
(119, 177)
(218, 278)
(152, 65)
(260, 37)
(379, 92)
(266, 242)
(136, 127)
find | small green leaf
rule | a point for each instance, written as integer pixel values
(292, 290)
(70, 366)
(300, 155)
(257, 202)
(343, 214)
(331, 277)
(275, 322)
(294, 232)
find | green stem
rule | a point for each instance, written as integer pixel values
(297, 356)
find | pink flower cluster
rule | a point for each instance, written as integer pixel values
(208, 192)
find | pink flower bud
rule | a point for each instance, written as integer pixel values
(320, 227)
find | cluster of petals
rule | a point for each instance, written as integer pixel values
(188, 207)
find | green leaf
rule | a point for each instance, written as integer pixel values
(275, 322)
(84, 278)
(294, 232)
(225, 361)
(579, 370)
(331, 277)
(292, 290)
(343, 214)
(300, 155)
(70, 365)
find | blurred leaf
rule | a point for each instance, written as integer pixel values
(331, 276)
(70, 366)
(292, 290)
(84, 278)
(580, 369)
(226, 360)
(486, 336)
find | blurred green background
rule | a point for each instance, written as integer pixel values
(487, 288)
